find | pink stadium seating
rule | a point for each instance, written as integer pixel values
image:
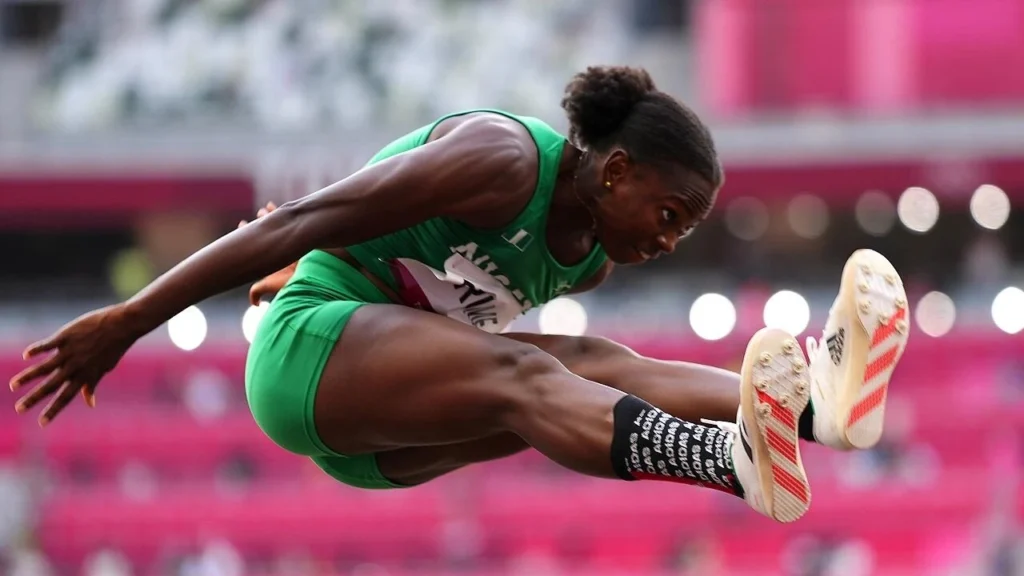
(524, 507)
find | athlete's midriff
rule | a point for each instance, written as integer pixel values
(459, 290)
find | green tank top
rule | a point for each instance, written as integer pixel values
(482, 277)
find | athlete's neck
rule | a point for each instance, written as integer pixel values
(570, 229)
(567, 210)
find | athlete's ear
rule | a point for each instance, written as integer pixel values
(616, 168)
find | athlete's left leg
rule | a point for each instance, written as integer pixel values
(760, 447)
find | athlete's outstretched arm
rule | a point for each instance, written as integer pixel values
(472, 172)
(458, 175)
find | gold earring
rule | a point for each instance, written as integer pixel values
(607, 184)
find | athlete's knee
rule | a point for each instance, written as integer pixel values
(530, 372)
(527, 361)
(594, 357)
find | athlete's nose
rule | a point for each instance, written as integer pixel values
(666, 244)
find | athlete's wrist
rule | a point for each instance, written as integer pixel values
(135, 318)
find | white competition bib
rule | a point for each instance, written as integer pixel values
(463, 292)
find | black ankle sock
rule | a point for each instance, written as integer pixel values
(805, 427)
(651, 445)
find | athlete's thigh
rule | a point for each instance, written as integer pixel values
(683, 389)
(403, 377)
(577, 353)
(594, 358)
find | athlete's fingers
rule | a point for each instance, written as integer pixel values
(271, 207)
(59, 402)
(43, 345)
(242, 223)
(36, 371)
(89, 395)
(49, 386)
(257, 291)
(261, 213)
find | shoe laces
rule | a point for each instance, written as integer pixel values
(727, 426)
(813, 344)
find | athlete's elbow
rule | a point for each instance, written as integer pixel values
(284, 235)
(309, 223)
(291, 213)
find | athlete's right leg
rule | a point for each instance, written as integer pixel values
(773, 390)
(688, 391)
(400, 377)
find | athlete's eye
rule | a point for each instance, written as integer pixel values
(668, 214)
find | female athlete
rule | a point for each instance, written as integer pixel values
(382, 355)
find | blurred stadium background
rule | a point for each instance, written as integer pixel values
(133, 132)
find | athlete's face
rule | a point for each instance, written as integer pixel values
(642, 212)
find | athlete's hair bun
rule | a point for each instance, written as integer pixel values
(619, 107)
(599, 100)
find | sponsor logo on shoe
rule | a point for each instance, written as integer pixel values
(835, 345)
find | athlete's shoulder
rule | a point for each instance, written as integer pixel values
(542, 133)
(487, 164)
(502, 143)
(491, 129)
(539, 127)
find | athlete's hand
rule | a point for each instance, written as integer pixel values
(82, 352)
(272, 284)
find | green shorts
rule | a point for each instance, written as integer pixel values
(288, 355)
